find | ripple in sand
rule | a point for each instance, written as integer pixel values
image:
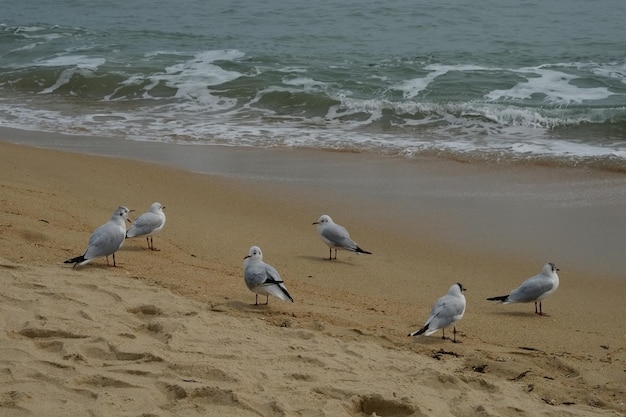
(375, 404)
(38, 333)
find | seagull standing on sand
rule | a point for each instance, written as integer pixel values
(446, 312)
(533, 289)
(105, 240)
(148, 224)
(262, 278)
(335, 236)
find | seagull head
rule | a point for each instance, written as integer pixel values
(255, 253)
(156, 207)
(324, 219)
(549, 269)
(457, 289)
(122, 212)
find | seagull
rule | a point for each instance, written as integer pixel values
(336, 236)
(533, 289)
(105, 240)
(148, 224)
(446, 312)
(262, 278)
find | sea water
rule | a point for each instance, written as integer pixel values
(494, 80)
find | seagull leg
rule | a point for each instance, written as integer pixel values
(256, 299)
(113, 259)
(443, 333)
(454, 339)
(267, 299)
(335, 253)
(540, 312)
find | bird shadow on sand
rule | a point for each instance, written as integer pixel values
(520, 314)
(438, 340)
(321, 259)
(251, 307)
(97, 264)
(135, 248)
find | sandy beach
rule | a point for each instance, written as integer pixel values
(176, 332)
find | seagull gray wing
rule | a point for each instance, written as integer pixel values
(444, 312)
(531, 289)
(145, 224)
(338, 236)
(271, 275)
(105, 240)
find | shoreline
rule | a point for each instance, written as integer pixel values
(360, 304)
(566, 215)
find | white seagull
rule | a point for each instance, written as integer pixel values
(148, 224)
(533, 289)
(446, 312)
(335, 236)
(105, 240)
(262, 278)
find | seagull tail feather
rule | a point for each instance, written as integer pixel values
(419, 332)
(282, 292)
(287, 293)
(499, 298)
(75, 260)
(359, 250)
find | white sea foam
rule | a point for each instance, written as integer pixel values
(36, 32)
(305, 82)
(350, 106)
(545, 83)
(191, 81)
(191, 78)
(615, 71)
(153, 54)
(66, 76)
(551, 86)
(167, 128)
(24, 48)
(293, 70)
(27, 29)
(413, 87)
(73, 61)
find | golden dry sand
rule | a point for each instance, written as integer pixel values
(175, 332)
